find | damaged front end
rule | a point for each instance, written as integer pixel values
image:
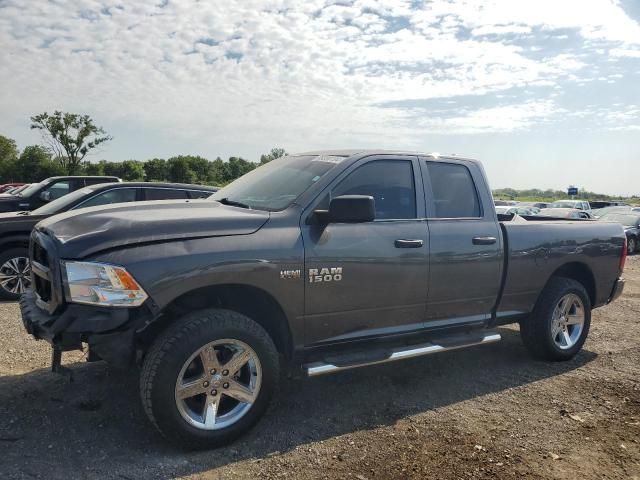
(47, 314)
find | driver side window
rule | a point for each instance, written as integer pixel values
(58, 189)
(389, 182)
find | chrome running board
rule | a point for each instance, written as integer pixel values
(322, 368)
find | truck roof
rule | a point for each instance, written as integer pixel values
(369, 152)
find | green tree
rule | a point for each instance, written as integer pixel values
(113, 169)
(70, 136)
(8, 149)
(275, 152)
(155, 170)
(217, 172)
(89, 168)
(8, 158)
(35, 164)
(180, 170)
(132, 170)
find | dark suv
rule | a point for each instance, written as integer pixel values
(38, 194)
(15, 227)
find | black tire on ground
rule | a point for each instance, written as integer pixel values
(536, 330)
(632, 245)
(5, 287)
(168, 354)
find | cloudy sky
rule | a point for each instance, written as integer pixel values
(545, 92)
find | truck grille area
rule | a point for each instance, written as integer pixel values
(45, 272)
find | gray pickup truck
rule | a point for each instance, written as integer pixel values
(312, 264)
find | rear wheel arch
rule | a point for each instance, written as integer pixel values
(579, 272)
(14, 241)
(253, 302)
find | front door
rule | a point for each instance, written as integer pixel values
(368, 279)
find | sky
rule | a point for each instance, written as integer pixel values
(546, 93)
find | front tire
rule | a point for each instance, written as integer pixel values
(15, 273)
(209, 378)
(559, 324)
(632, 245)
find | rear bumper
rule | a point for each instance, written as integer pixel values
(618, 288)
(109, 332)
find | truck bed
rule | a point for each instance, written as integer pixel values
(536, 250)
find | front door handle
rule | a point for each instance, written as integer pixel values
(401, 243)
(484, 240)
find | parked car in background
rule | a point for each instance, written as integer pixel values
(570, 213)
(14, 190)
(538, 205)
(631, 222)
(577, 204)
(503, 203)
(605, 203)
(599, 212)
(8, 186)
(505, 210)
(15, 227)
(38, 194)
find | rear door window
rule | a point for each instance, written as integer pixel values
(199, 194)
(453, 191)
(165, 194)
(118, 195)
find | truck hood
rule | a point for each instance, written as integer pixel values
(17, 220)
(12, 202)
(90, 230)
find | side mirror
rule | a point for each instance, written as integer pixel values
(349, 209)
(45, 196)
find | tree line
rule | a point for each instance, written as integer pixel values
(68, 138)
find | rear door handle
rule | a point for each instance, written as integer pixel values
(400, 243)
(484, 240)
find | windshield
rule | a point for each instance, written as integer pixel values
(61, 203)
(277, 184)
(31, 189)
(563, 205)
(625, 219)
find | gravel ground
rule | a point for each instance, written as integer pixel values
(485, 412)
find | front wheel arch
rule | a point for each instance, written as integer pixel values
(247, 300)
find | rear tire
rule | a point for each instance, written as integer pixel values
(559, 324)
(15, 273)
(190, 384)
(632, 245)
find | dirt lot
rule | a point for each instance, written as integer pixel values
(486, 412)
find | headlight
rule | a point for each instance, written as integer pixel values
(101, 284)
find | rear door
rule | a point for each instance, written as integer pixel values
(465, 241)
(368, 279)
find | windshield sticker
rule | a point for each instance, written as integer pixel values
(328, 159)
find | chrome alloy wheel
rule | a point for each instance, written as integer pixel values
(218, 384)
(568, 321)
(15, 275)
